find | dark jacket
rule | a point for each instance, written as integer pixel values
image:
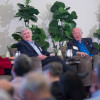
(88, 43)
(25, 48)
(56, 91)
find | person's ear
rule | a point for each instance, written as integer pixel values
(49, 74)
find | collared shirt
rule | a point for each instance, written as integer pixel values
(97, 93)
(83, 48)
(35, 47)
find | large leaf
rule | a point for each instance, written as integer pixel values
(62, 10)
(21, 6)
(27, 2)
(17, 37)
(97, 35)
(97, 45)
(14, 45)
(56, 6)
(73, 15)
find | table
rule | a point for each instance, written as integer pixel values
(71, 61)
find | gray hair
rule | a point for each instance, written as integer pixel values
(24, 29)
(55, 68)
(34, 82)
(76, 28)
(23, 64)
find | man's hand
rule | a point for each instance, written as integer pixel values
(52, 54)
(42, 57)
(82, 54)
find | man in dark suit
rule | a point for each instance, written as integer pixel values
(30, 47)
(83, 49)
(82, 46)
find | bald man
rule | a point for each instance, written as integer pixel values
(83, 49)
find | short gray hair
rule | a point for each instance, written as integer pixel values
(55, 68)
(24, 29)
(34, 82)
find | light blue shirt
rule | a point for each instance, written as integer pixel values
(83, 48)
(97, 93)
(35, 47)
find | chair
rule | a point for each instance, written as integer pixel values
(12, 51)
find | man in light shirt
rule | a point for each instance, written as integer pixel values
(31, 48)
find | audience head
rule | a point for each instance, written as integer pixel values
(26, 34)
(6, 86)
(36, 64)
(77, 33)
(22, 65)
(72, 86)
(4, 95)
(53, 69)
(35, 86)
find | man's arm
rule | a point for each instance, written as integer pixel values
(23, 49)
(70, 45)
(75, 49)
(93, 49)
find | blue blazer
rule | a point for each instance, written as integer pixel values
(88, 43)
(25, 48)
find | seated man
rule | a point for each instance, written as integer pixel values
(30, 47)
(83, 49)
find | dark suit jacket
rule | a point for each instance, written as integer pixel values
(25, 48)
(56, 91)
(88, 43)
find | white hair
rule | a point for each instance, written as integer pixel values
(24, 29)
(34, 82)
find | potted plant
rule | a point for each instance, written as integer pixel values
(61, 25)
(29, 13)
(97, 35)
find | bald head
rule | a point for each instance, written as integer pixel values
(77, 29)
(77, 33)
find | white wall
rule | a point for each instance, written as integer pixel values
(88, 12)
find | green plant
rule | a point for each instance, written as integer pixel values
(97, 35)
(28, 13)
(39, 36)
(62, 24)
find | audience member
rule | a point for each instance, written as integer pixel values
(64, 66)
(35, 86)
(4, 95)
(95, 88)
(71, 86)
(54, 71)
(36, 64)
(22, 66)
(31, 48)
